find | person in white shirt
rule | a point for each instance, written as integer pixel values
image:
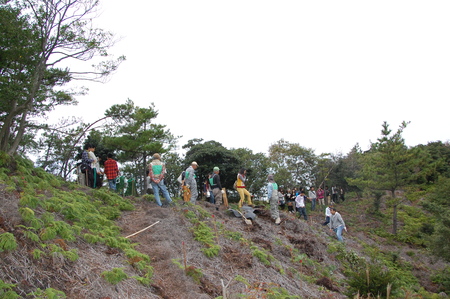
(300, 204)
(327, 214)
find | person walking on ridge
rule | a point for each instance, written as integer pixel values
(157, 170)
(272, 195)
(190, 181)
(216, 187)
(313, 197)
(111, 171)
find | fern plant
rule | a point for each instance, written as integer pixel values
(48, 293)
(6, 291)
(114, 276)
(7, 242)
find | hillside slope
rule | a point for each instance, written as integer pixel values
(194, 251)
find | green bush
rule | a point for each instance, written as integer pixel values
(442, 278)
(373, 280)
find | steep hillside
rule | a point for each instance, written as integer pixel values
(68, 245)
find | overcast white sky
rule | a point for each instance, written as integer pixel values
(324, 74)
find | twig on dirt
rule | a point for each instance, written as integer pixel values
(138, 232)
(224, 288)
(184, 257)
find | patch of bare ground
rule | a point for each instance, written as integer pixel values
(172, 239)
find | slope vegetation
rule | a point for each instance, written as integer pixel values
(61, 240)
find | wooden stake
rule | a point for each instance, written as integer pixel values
(184, 257)
(225, 198)
(142, 230)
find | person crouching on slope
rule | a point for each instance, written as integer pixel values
(337, 224)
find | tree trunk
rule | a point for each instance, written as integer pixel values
(394, 220)
(146, 186)
(19, 135)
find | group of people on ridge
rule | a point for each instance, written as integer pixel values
(295, 199)
(92, 174)
(214, 192)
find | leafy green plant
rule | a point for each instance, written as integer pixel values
(350, 258)
(27, 214)
(37, 254)
(211, 251)
(7, 242)
(195, 273)
(92, 239)
(205, 235)
(236, 236)
(262, 255)
(29, 200)
(48, 293)
(71, 254)
(28, 233)
(114, 276)
(6, 291)
(442, 278)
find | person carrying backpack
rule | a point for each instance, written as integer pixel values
(157, 170)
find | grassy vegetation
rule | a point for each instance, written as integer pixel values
(55, 215)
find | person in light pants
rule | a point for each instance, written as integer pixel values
(272, 195)
(337, 224)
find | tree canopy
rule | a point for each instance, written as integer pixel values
(38, 39)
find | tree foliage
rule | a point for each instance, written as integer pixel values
(293, 164)
(59, 147)
(39, 40)
(388, 166)
(438, 203)
(210, 154)
(134, 135)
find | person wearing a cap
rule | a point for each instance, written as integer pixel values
(157, 169)
(272, 195)
(216, 187)
(337, 224)
(190, 182)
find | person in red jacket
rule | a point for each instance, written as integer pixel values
(111, 170)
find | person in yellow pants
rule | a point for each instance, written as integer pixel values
(240, 187)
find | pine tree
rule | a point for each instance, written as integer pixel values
(388, 166)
